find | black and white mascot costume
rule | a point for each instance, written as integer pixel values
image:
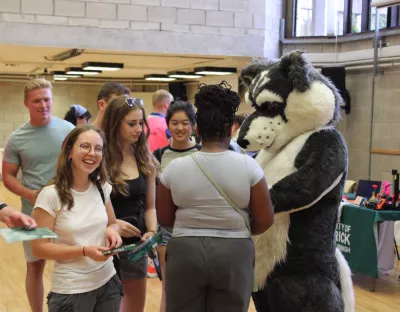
(298, 267)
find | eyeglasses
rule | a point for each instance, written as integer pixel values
(131, 101)
(87, 148)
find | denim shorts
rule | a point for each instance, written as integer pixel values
(107, 298)
(129, 270)
(166, 233)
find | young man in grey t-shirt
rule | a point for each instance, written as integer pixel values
(34, 148)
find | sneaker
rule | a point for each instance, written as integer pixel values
(151, 270)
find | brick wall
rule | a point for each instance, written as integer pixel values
(356, 127)
(238, 25)
(13, 113)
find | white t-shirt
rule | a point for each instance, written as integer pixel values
(83, 225)
(202, 211)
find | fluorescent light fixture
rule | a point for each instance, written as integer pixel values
(181, 74)
(60, 78)
(215, 70)
(156, 77)
(61, 74)
(80, 71)
(102, 66)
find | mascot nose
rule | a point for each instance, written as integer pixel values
(263, 137)
(243, 143)
(261, 134)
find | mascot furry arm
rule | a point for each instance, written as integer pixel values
(320, 167)
(298, 268)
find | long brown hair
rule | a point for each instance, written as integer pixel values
(64, 176)
(114, 114)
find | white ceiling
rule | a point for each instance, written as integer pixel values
(26, 60)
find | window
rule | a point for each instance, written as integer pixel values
(304, 18)
(339, 17)
(315, 18)
(356, 16)
(383, 18)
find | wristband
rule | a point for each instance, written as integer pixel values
(4, 205)
(83, 250)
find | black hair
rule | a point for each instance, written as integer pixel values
(70, 116)
(112, 88)
(178, 106)
(216, 107)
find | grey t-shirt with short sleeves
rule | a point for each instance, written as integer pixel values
(35, 150)
(202, 211)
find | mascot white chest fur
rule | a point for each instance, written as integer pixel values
(305, 163)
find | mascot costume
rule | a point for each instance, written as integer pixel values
(298, 267)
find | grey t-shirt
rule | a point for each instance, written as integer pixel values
(35, 150)
(202, 211)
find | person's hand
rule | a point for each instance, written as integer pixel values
(32, 195)
(127, 230)
(95, 253)
(13, 218)
(146, 236)
(113, 239)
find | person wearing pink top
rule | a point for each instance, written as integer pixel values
(159, 134)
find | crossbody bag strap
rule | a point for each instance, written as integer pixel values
(219, 189)
(101, 191)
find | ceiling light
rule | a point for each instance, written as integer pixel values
(215, 70)
(158, 78)
(181, 74)
(102, 66)
(80, 71)
(61, 74)
(60, 78)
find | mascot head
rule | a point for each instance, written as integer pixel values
(290, 98)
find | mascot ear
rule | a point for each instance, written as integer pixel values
(251, 71)
(296, 68)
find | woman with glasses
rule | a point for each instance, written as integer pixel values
(76, 206)
(132, 170)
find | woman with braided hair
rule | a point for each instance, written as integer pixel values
(207, 198)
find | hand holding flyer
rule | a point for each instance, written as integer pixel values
(20, 234)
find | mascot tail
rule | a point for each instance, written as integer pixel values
(346, 284)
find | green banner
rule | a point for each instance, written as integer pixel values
(357, 238)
